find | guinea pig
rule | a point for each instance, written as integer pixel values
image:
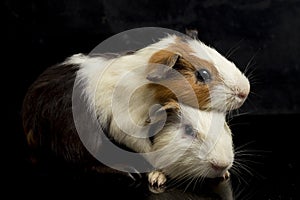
(193, 144)
(120, 90)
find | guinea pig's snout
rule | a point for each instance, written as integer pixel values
(219, 166)
(241, 93)
(243, 89)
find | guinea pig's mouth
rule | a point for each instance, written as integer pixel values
(225, 176)
(234, 101)
(219, 171)
(219, 179)
(220, 175)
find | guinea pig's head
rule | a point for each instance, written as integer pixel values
(193, 143)
(217, 83)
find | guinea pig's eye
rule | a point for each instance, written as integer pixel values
(189, 130)
(203, 75)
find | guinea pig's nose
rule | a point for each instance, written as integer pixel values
(219, 167)
(242, 95)
(241, 92)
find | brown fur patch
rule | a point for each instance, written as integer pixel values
(155, 70)
(164, 57)
(183, 49)
(186, 65)
(180, 91)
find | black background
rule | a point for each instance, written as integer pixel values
(264, 35)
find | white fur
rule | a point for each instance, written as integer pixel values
(180, 155)
(163, 43)
(109, 86)
(107, 92)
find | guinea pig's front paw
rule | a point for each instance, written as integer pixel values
(157, 181)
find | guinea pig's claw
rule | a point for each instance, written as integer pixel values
(156, 181)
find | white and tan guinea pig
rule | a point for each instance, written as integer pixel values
(122, 89)
(193, 144)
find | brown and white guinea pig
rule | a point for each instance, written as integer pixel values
(193, 144)
(121, 90)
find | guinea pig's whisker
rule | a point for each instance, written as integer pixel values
(191, 180)
(249, 102)
(238, 190)
(229, 104)
(255, 94)
(248, 160)
(182, 176)
(236, 149)
(231, 52)
(238, 174)
(200, 175)
(198, 181)
(243, 160)
(233, 49)
(179, 181)
(241, 152)
(250, 62)
(244, 167)
(246, 70)
(253, 77)
(185, 178)
(231, 114)
(250, 153)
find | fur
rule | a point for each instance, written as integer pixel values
(193, 156)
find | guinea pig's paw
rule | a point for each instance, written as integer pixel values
(156, 181)
(157, 178)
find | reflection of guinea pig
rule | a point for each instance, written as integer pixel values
(193, 144)
(120, 91)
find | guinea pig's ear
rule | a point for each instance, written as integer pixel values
(158, 117)
(158, 113)
(171, 106)
(160, 64)
(193, 33)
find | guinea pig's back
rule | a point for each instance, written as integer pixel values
(47, 112)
